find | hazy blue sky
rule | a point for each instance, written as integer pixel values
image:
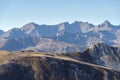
(16, 13)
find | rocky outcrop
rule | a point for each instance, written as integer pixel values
(100, 54)
(105, 55)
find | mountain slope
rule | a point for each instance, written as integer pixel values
(78, 33)
(1, 32)
(100, 54)
(13, 34)
(33, 66)
(105, 55)
(33, 29)
(19, 43)
(52, 46)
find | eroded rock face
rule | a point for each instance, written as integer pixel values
(76, 36)
(105, 55)
(42, 68)
(100, 54)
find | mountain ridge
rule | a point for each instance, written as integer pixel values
(106, 21)
(78, 33)
(40, 66)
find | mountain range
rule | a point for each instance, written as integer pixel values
(65, 51)
(62, 37)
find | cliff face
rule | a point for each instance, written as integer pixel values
(100, 54)
(48, 68)
(105, 55)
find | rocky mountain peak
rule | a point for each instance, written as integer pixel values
(78, 33)
(14, 30)
(105, 55)
(106, 23)
(30, 26)
(64, 23)
(77, 22)
(1, 32)
(100, 47)
(13, 33)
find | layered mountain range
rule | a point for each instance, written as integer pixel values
(63, 37)
(65, 51)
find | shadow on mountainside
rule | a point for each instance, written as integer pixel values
(16, 72)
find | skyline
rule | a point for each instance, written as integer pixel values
(16, 13)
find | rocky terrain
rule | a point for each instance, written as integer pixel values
(43, 66)
(62, 37)
(100, 54)
(65, 51)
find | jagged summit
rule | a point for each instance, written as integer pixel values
(106, 23)
(1, 32)
(29, 25)
(14, 30)
(31, 29)
(100, 45)
(13, 33)
(77, 22)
